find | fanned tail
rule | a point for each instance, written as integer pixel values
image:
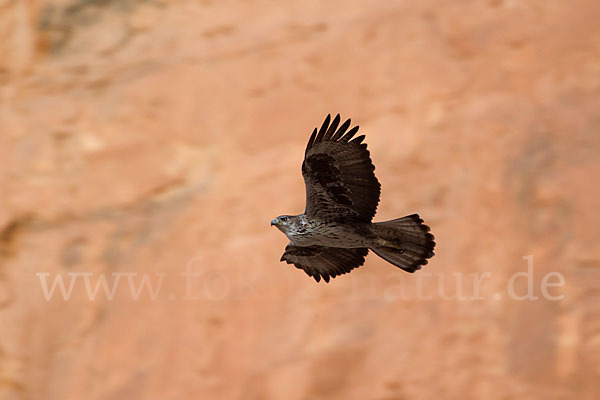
(404, 242)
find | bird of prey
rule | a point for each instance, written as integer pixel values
(335, 233)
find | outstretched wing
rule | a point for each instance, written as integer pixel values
(324, 262)
(338, 174)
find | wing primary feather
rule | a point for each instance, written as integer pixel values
(358, 139)
(349, 134)
(324, 262)
(332, 128)
(323, 128)
(341, 131)
(311, 141)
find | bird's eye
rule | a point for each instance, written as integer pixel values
(283, 218)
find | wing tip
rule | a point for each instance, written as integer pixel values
(323, 128)
(358, 139)
(331, 130)
(311, 141)
(349, 135)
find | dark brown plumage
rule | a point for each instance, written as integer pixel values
(335, 233)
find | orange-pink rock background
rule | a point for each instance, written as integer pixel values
(144, 136)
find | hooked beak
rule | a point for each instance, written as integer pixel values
(274, 222)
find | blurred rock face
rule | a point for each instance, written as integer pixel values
(151, 142)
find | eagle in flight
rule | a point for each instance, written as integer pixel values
(335, 233)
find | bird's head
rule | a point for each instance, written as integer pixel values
(285, 223)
